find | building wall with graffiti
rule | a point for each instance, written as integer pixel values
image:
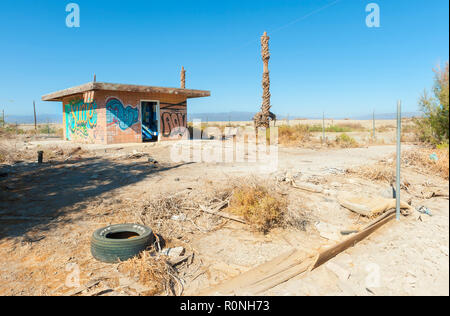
(82, 118)
(111, 117)
(124, 117)
(173, 119)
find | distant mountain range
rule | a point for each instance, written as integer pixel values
(211, 117)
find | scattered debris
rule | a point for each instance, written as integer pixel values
(371, 206)
(349, 232)
(173, 252)
(136, 155)
(434, 157)
(340, 272)
(328, 231)
(308, 187)
(424, 210)
(179, 218)
(89, 285)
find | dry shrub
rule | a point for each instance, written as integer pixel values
(261, 208)
(421, 159)
(376, 172)
(345, 141)
(290, 135)
(158, 211)
(153, 272)
(386, 128)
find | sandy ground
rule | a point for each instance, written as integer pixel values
(48, 213)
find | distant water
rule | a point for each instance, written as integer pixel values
(213, 117)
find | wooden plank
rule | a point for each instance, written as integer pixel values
(243, 279)
(231, 217)
(290, 265)
(328, 254)
(279, 278)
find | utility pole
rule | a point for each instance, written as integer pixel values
(35, 122)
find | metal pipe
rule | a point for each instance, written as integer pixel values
(399, 154)
(40, 156)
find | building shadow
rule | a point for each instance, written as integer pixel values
(38, 196)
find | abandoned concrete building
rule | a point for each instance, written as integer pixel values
(106, 113)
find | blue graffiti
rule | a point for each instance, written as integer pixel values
(117, 114)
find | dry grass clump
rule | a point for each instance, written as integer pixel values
(290, 135)
(419, 159)
(422, 160)
(377, 172)
(260, 207)
(386, 128)
(9, 153)
(4, 153)
(174, 216)
(345, 141)
(351, 126)
(153, 272)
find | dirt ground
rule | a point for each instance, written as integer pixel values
(48, 213)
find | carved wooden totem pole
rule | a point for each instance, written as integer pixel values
(183, 78)
(262, 119)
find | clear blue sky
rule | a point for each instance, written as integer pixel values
(322, 59)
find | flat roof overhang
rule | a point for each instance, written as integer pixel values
(93, 86)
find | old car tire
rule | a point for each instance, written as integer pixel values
(120, 242)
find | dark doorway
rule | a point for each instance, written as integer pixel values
(150, 124)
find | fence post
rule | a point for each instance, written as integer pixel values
(374, 136)
(323, 127)
(399, 138)
(35, 122)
